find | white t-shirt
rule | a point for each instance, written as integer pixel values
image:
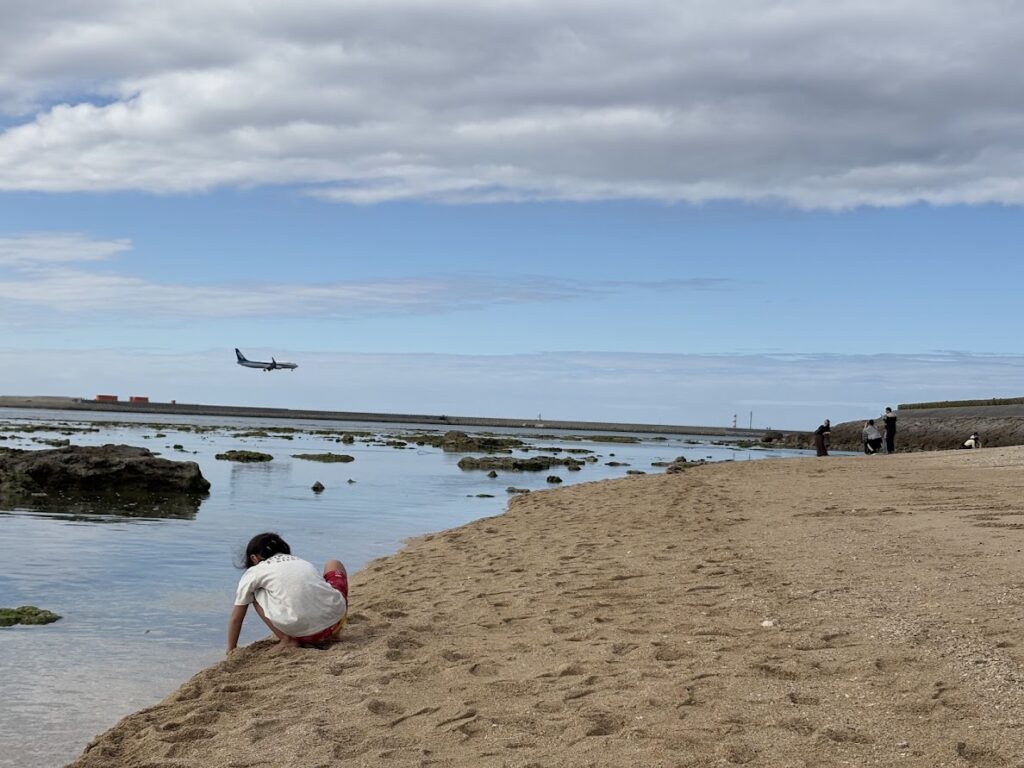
(292, 594)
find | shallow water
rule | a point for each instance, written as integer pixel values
(145, 600)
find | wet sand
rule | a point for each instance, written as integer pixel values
(860, 611)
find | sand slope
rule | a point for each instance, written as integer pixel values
(813, 612)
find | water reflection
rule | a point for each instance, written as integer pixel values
(107, 507)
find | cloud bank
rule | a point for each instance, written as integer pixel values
(817, 105)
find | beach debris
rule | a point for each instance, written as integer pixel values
(554, 479)
(327, 458)
(318, 487)
(513, 489)
(26, 614)
(767, 623)
(244, 456)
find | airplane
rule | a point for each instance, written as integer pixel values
(273, 365)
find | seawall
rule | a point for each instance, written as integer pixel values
(445, 421)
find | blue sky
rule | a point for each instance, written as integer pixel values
(657, 212)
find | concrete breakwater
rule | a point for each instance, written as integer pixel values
(937, 429)
(443, 421)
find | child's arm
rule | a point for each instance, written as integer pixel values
(235, 625)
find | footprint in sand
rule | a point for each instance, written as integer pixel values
(383, 708)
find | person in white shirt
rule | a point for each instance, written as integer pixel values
(972, 442)
(299, 604)
(872, 437)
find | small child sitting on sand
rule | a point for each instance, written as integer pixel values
(298, 604)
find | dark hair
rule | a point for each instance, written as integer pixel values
(265, 545)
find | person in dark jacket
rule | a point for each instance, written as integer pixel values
(821, 438)
(889, 417)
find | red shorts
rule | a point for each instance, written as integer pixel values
(339, 581)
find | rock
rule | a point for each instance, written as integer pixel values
(318, 487)
(350, 481)
(96, 469)
(26, 614)
(492, 474)
(680, 464)
(512, 489)
(635, 472)
(244, 456)
(347, 439)
(508, 463)
(554, 479)
(455, 441)
(616, 464)
(328, 458)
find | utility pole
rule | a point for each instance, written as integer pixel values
(751, 420)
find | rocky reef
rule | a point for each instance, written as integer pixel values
(26, 614)
(326, 458)
(510, 464)
(85, 469)
(244, 456)
(455, 441)
(119, 479)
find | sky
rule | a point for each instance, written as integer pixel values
(681, 212)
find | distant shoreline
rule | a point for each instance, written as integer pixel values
(196, 409)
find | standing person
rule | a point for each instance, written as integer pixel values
(890, 430)
(821, 438)
(298, 603)
(872, 437)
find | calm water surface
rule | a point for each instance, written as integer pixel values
(145, 600)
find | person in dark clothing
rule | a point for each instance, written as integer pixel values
(890, 430)
(821, 438)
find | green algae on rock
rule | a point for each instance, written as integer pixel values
(26, 614)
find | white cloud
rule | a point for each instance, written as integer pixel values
(815, 104)
(44, 274)
(27, 251)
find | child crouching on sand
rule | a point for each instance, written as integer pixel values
(300, 605)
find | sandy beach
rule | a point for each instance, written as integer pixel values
(855, 611)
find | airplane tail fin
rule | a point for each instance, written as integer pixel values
(239, 355)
